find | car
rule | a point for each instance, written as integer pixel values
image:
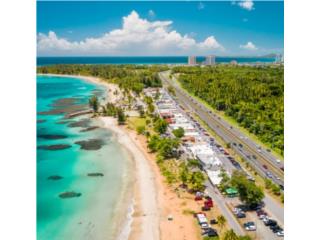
(241, 214)
(254, 156)
(268, 150)
(280, 233)
(205, 208)
(270, 222)
(278, 161)
(213, 221)
(249, 226)
(210, 232)
(204, 225)
(269, 175)
(282, 168)
(276, 228)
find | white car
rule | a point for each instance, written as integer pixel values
(250, 226)
(280, 233)
(278, 161)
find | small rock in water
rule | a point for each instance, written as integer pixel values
(69, 194)
(54, 147)
(55, 177)
(95, 174)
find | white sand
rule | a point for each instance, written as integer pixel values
(146, 209)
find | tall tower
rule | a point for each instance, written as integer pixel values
(192, 60)
(210, 60)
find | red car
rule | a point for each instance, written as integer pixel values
(265, 166)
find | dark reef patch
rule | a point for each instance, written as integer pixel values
(54, 147)
(91, 144)
(52, 136)
(95, 175)
(69, 194)
(63, 122)
(41, 120)
(65, 110)
(55, 177)
(84, 123)
(65, 102)
(89, 129)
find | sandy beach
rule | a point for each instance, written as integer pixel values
(146, 213)
(154, 200)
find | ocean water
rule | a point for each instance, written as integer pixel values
(143, 60)
(103, 201)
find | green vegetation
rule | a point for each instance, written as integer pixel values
(178, 133)
(160, 126)
(252, 96)
(221, 221)
(249, 192)
(141, 129)
(129, 77)
(165, 147)
(275, 189)
(94, 103)
(121, 116)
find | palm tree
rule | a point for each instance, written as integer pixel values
(221, 221)
(94, 103)
(230, 235)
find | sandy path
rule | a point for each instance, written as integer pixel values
(146, 216)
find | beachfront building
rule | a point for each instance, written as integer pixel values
(210, 60)
(192, 60)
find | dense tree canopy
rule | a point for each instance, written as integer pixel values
(128, 77)
(253, 96)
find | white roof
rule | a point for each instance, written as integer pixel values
(214, 176)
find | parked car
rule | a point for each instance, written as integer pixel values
(265, 166)
(213, 221)
(280, 233)
(249, 226)
(210, 232)
(270, 222)
(206, 208)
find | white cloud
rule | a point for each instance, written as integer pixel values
(249, 46)
(246, 4)
(201, 6)
(137, 36)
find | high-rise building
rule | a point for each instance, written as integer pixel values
(210, 60)
(192, 60)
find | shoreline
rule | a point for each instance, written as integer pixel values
(153, 200)
(110, 88)
(145, 217)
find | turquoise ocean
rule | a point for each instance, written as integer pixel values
(104, 200)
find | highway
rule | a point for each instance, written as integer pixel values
(263, 161)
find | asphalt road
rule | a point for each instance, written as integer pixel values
(221, 203)
(262, 160)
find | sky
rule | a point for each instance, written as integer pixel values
(229, 28)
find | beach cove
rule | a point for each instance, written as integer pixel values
(149, 200)
(98, 174)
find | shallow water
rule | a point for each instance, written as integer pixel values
(92, 215)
